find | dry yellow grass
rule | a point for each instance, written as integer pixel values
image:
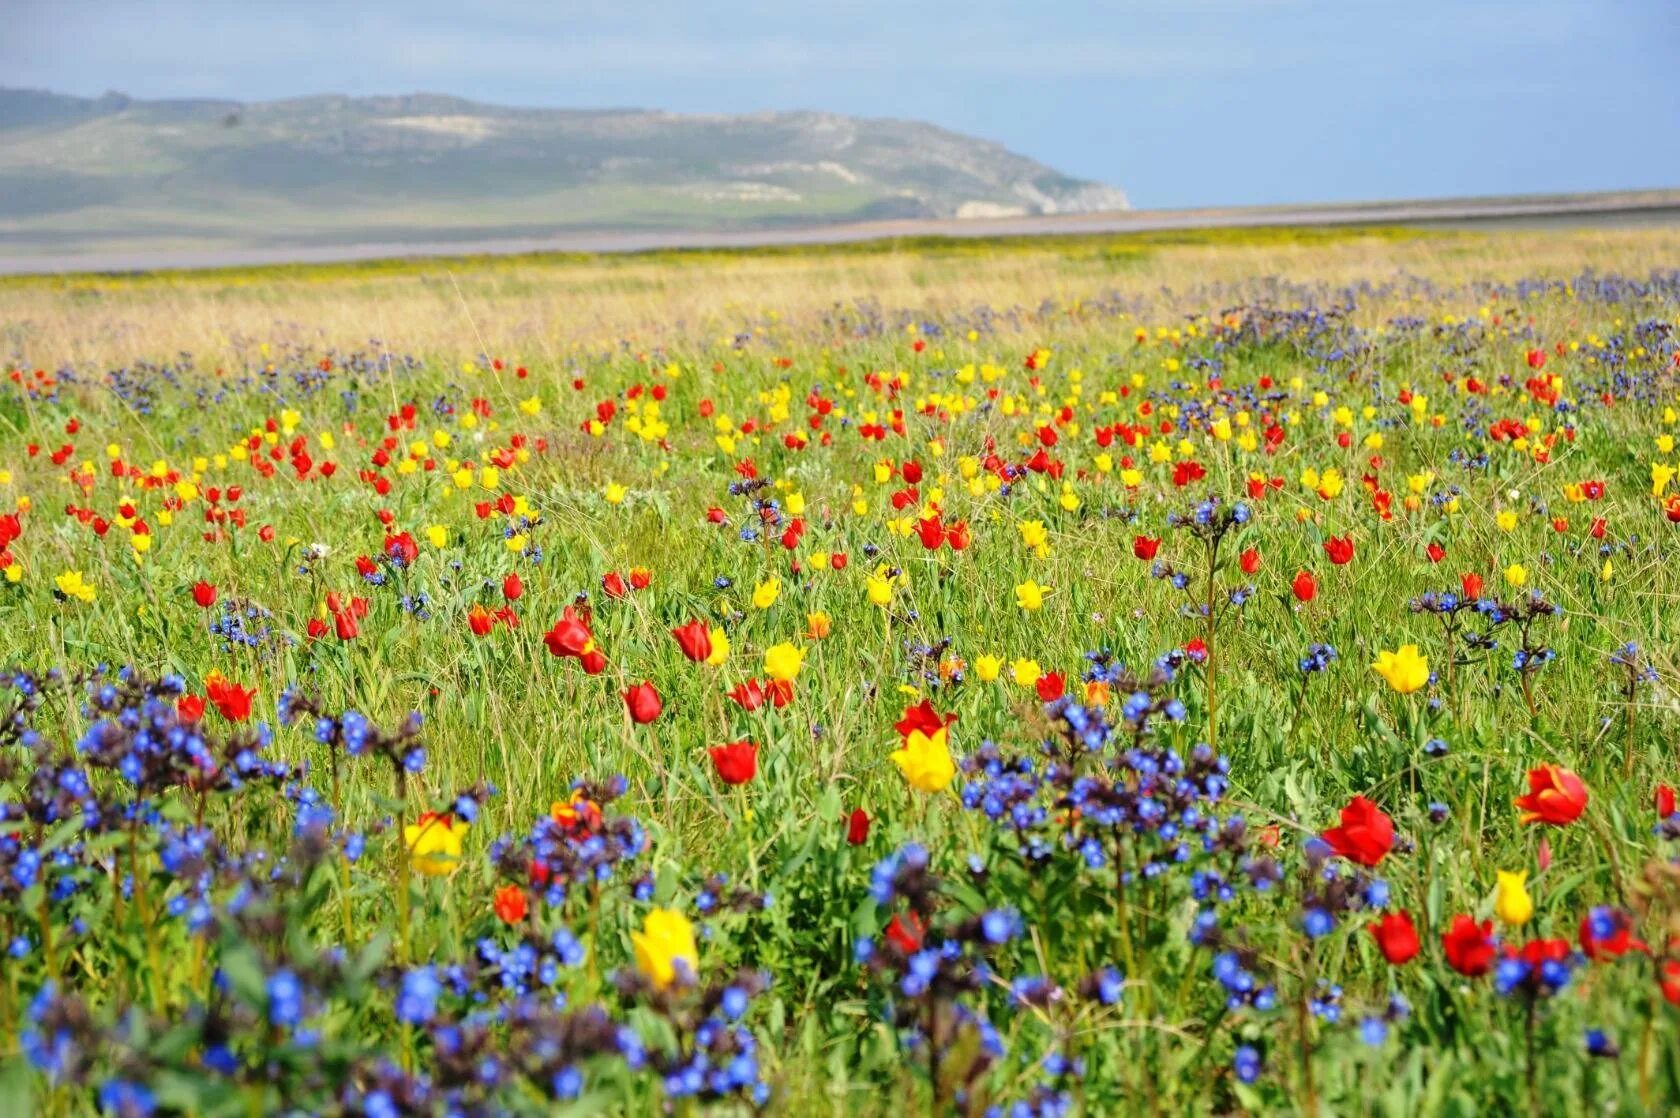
(538, 307)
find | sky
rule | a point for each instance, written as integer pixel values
(1178, 102)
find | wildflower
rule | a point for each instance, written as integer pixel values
(1340, 550)
(1025, 672)
(512, 587)
(695, 640)
(765, 593)
(70, 584)
(1511, 902)
(1305, 587)
(1470, 947)
(1249, 560)
(1366, 833)
(720, 647)
(1405, 670)
(570, 635)
(925, 760)
(818, 625)
(510, 904)
(857, 827)
(922, 717)
(987, 667)
(1145, 547)
(231, 701)
(1516, 575)
(434, 843)
(736, 763)
(612, 584)
(1607, 933)
(1555, 796)
(665, 948)
(782, 661)
(204, 595)
(879, 589)
(480, 620)
(643, 703)
(1029, 595)
(1396, 937)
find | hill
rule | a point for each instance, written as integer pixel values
(79, 173)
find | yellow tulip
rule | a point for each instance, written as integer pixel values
(987, 667)
(434, 843)
(765, 593)
(1029, 595)
(1511, 902)
(782, 661)
(665, 947)
(925, 760)
(720, 646)
(1405, 669)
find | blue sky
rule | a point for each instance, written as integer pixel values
(1179, 102)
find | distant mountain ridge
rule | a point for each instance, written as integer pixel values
(82, 173)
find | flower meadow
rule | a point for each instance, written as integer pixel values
(1254, 700)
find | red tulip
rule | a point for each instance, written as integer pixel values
(1471, 584)
(480, 621)
(189, 708)
(570, 635)
(594, 662)
(695, 640)
(1536, 358)
(1555, 796)
(613, 583)
(510, 904)
(1366, 833)
(1249, 560)
(958, 536)
(401, 548)
(1470, 947)
(204, 594)
(931, 531)
(1435, 552)
(232, 701)
(1305, 587)
(1607, 933)
(1396, 937)
(857, 827)
(736, 763)
(344, 624)
(1669, 983)
(748, 695)
(316, 628)
(643, 702)
(1051, 686)
(922, 717)
(1339, 549)
(512, 587)
(1145, 547)
(1664, 801)
(640, 578)
(905, 932)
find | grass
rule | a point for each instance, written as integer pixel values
(376, 368)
